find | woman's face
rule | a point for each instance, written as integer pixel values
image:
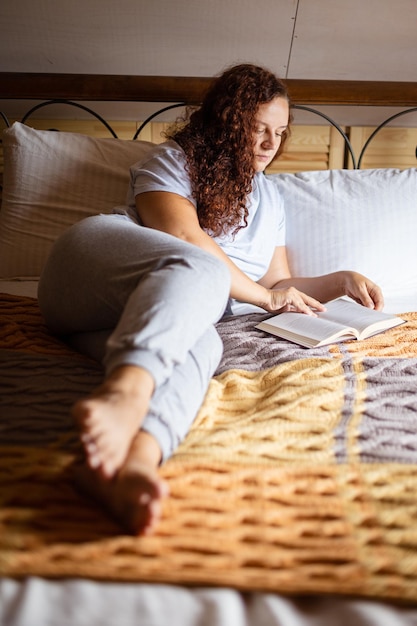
(271, 121)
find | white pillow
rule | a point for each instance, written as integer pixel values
(363, 220)
(52, 180)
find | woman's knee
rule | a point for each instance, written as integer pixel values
(72, 275)
(211, 272)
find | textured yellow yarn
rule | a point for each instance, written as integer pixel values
(285, 414)
(270, 490)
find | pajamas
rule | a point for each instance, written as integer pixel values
(126, 294)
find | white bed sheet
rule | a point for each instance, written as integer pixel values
(37, 602)
(19, 287)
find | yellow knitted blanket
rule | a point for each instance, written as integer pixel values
(299, 477)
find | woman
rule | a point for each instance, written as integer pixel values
(203, 232)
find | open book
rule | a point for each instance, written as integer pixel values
(343, 319)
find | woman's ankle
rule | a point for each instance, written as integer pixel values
(131, 379)
(145, 449)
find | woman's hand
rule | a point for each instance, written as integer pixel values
(358, 287)
(291, 299)
(335, 285)
(362, 290)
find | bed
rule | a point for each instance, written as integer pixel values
(293, 500)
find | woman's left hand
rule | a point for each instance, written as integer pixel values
(362, 290)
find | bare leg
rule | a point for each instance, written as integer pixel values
(110, 418)
(134, 496)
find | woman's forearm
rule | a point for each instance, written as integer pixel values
(242, 288)
(322, 288)
(337, 284)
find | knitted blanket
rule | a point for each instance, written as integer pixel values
(298, 476)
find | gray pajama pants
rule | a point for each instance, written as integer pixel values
(126, 294)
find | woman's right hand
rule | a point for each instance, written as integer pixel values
(291, 299)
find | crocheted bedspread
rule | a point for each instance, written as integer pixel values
(299, 474)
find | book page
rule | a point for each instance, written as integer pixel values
(316, 328)
(351, 314)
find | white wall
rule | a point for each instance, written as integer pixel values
(328, 39)
(333, 39)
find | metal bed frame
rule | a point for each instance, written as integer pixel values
(70, 89)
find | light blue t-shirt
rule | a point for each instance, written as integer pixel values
(251, 248)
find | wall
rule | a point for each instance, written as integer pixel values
(329, 39)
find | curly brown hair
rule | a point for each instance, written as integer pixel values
(217, 139)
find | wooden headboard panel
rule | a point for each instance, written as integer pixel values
(191, 89)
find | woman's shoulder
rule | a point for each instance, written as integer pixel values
(266, 185)
(167, 146)
(163, 168)
(165, 151)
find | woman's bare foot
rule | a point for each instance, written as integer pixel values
(111, 417)
(134, 496)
